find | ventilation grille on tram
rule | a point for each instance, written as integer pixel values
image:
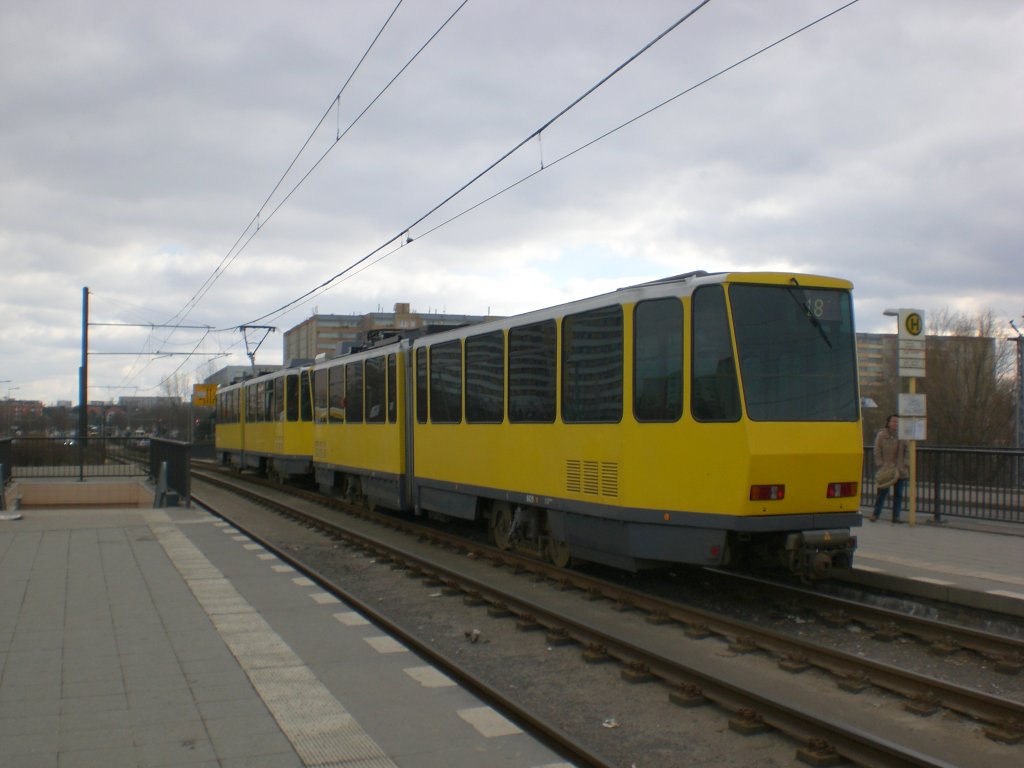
(592, 478)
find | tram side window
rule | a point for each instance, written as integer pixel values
(275, 395)
(658, 360)
(446, 382)
(421, 385)
(714, 390)
(305, 401)
(392, 390)
(532, 371)
(291, 393)
(485, 378)
(320, 396)
(256, 402)
(592, 351)
(376, 390)
(251, 414)
(269, 390)
(336, 394)
(354, 392)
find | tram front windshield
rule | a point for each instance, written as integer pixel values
(797, 351)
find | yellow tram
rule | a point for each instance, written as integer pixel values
(704, 418)
(266, 423)
(360, 432)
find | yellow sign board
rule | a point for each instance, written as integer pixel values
(204, 394)
(911, 343)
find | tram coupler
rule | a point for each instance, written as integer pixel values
(813, 555)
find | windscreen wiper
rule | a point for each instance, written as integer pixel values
(805, 305)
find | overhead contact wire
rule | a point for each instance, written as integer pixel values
(351, 125)
(543, 167)
(534, 134)
(634, 119)
(235, 250)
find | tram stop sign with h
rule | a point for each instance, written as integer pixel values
(910, 341)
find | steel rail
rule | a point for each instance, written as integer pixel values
(854, 671)
(554, 737)
(943, 636)
(804, 726)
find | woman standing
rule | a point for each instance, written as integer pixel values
(890, 454)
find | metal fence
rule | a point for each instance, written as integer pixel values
(81, 458)
(99, 457)
(974, 483)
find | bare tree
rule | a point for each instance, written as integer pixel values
(969, 382)
(172, 416)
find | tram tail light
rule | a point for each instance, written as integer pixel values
(841, 490)
(767, 492)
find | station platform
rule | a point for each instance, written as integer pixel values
(964, 562)
(143, 637)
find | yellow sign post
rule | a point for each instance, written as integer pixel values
(911, 362)
(204, 395)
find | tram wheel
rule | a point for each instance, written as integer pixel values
(501, 525)
(558, 553)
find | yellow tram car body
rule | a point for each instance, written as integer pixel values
(272, 428)
(359, 431)
(228, 437)
(701, 419)
(702, 480)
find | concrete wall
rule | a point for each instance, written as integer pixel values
(102, 493)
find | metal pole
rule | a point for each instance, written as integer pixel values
(1020, 385)
(912, 490)
(1020, 392)
(83, 387)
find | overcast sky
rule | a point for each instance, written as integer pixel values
(138, 141)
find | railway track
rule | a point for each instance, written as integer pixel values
(942, 638)
(750, 672)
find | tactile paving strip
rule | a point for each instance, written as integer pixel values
(322, 732)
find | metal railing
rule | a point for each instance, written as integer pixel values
(100, 457)
(973, 483)
(81, 458)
